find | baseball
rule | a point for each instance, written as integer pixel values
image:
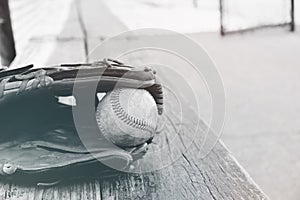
(127, 117)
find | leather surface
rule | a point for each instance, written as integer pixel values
(39, 141)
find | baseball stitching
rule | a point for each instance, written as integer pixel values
(125, 117)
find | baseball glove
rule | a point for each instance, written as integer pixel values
(39, 140)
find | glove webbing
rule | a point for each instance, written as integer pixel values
(39, 79)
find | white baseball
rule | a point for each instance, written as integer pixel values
(127, 117)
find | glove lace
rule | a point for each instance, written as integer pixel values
(29, 81)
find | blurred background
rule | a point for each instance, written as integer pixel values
(255, 45)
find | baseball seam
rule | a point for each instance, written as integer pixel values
(125, 117)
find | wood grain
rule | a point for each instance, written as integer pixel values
(183, 174)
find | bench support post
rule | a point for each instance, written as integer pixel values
(7, 43)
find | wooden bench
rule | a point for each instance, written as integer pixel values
(217, 176)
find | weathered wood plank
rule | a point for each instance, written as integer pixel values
(217, 176)
(35, 18)
(49, 49)
(97, 19)
(43, 50)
